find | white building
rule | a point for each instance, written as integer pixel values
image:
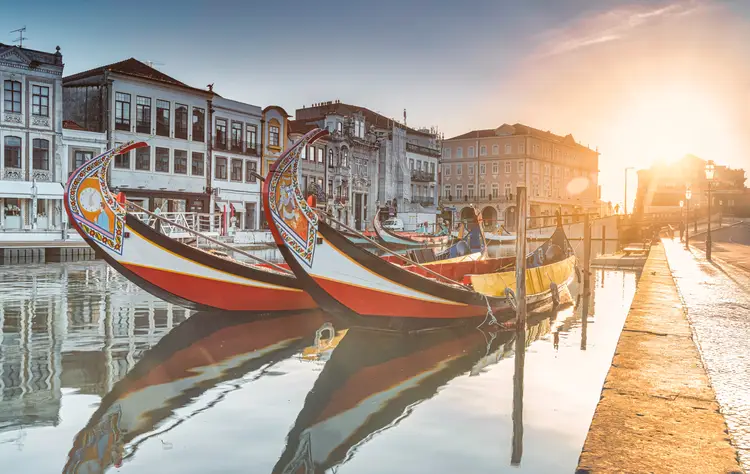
(32, 166)
(236, 159)
(130, 100)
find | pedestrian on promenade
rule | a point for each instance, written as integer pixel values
(682, 231)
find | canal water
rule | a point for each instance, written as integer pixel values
(96, 375)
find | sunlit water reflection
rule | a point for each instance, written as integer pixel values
(97, 374)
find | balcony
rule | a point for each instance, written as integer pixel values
(423, 150)
(422, 176)
(424, 201)
(476, 199)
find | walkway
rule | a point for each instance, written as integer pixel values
(657, 412)
(717, 296)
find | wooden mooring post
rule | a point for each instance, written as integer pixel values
(520, 349)
(586, 275)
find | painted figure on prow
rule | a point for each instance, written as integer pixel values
(102, 220)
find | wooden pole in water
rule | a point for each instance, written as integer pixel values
(586, 253)
(604, 239)
(520, 349)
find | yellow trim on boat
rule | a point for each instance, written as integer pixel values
(537, 279)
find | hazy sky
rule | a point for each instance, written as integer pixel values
(640, 80)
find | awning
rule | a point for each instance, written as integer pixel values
(23, 190)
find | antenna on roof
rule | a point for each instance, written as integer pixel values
(21, 37)
(151, 64)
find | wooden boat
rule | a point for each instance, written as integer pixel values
(166, 268)
(199, 354)
(408, 240)
(350, 281)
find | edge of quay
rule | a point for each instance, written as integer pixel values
(657, 411)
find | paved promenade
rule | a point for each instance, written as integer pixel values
(658, 411)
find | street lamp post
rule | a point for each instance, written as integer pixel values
(688, 195)
(710, 169)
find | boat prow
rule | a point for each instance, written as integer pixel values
(166, 268)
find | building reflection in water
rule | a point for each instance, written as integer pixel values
(69, 326)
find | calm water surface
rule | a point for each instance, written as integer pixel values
(96, 375)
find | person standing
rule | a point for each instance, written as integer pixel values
(682, 231)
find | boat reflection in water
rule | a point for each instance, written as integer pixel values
(374, 380)
(369, 382)
(204, 351)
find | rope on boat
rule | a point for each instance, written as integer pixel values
(490, 314)
(210, 239)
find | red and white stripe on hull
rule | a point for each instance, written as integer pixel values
(200, 283)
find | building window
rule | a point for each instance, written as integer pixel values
(339, 127)
(547, 170)
(250, 216)
(199, 124)
(40, 154)
(122, 160)
(320, 156)
(447, 153)
(122, 111)
(521, 148)
(162, 117)
(432, 169)
(330, 158)
(359, 128)
(81, 157)
(459, 152)
(471, 169)
(40, 101)
(495, 167)
(236, 170)
(344, 157)
(459, 191)
(482, 191)
(252, 136)
(221, 168)
(143, 158)
(447, 170)
(447, 191)
(557, 172)
(236, 136)
(470, 153)
(536, 189)
(221, 134)
(143, 114)
(180, 162)
(470, 191)
(273, 135)
(411, 164)
(535, 167)
(250, 169)
(507, 167)
(197, 164)
(495, 190)
(507, 190)
(519, 166)
(482, 169)
(162, 160)
(12, 97)
(495, 150)
(483, 151)
(567, 172)
(507, 148)
(459, 170)
(181, 121)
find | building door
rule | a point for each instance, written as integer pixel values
(358, 211)
(250, 215)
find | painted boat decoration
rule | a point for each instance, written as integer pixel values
(351, 282)
(199, 354)
(173, 271)
(373, 380)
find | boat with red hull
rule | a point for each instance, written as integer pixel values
(351, 282)
(409, 240)
(173, 271)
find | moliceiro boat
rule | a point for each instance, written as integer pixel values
(178, 273)
(403, 240)
(349, 281)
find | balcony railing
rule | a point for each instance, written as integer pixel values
(422, 176)
(489, 198)
(423, 150)
(241, 147)
(424, 201)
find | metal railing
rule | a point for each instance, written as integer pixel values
(195, 221)
(423, 150)
(423, 176)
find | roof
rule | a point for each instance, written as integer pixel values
(301, 126)
(278, 108)
(71, 125)
(520, 129)
(134, 68)
(371, 118)
(43, 57)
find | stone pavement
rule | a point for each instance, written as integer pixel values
(717, 296)
(657, 411)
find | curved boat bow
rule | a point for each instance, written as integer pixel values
(166, 268)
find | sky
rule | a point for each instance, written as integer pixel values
(641, 81)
